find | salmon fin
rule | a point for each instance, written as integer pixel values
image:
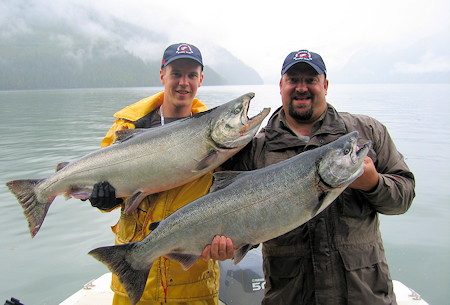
(325, 199)
(153, 225)
(241, 252)
(319, 203)
(223, 179)
(132, 279)
(133, 202)
(186, 260)
(126, 134)
(209, 159)
(82, 193)
(61, 165)
(34, 210)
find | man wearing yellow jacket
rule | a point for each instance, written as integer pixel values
(181, 74)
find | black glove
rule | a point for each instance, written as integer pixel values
(103, 196)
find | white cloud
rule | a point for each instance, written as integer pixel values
(11, 25)
(144, 49)
(262, 33)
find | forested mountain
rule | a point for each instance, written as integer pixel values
(100, 51)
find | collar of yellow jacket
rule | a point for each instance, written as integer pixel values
(139, 109)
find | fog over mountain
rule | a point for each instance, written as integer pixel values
(63, 45)
(425, 61)
(104, 43)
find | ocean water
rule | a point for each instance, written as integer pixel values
(41, 128)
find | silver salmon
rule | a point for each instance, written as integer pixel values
(249, 207)
(146, 161)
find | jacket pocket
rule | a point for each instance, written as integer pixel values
(126, 229)
(367, 275)
(282, 267)
(286, 282)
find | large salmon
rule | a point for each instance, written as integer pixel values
(249, 207)
(146, 161)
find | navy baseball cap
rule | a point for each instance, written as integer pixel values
(304, 56)
(181, 50)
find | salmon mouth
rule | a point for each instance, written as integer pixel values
(250, 123)
(234, 129)
(362, 151)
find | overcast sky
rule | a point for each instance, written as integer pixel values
(261, 33)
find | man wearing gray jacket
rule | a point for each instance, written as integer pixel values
(337, 257)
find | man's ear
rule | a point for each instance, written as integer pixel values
(201, 79)
(161, 75)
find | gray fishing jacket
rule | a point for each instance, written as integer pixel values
(338, 256)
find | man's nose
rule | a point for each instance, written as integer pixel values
(301, 86)
(184, 80)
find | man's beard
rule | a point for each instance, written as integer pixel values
(300, 116)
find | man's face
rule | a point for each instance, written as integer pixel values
(303, 93)
(181, 79)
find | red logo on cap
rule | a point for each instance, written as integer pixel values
(303, 55)
(184, 49)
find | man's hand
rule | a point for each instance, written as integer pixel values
(103, 196)
(369, 179)
(221, 248)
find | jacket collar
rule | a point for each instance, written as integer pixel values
(279, 135)
(139, 109)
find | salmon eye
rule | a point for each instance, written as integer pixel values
(237, 110)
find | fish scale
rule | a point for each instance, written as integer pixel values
(249, 207)
(146, 161)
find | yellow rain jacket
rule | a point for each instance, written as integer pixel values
(167, 281)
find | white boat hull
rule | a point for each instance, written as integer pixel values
(98, 292)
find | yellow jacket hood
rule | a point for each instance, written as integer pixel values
(139, 109)
(126, 117)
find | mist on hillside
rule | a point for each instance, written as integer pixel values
(64, 45)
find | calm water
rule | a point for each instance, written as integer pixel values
(43, 128)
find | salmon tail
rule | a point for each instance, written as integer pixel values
(132, 279)
(34, 210)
